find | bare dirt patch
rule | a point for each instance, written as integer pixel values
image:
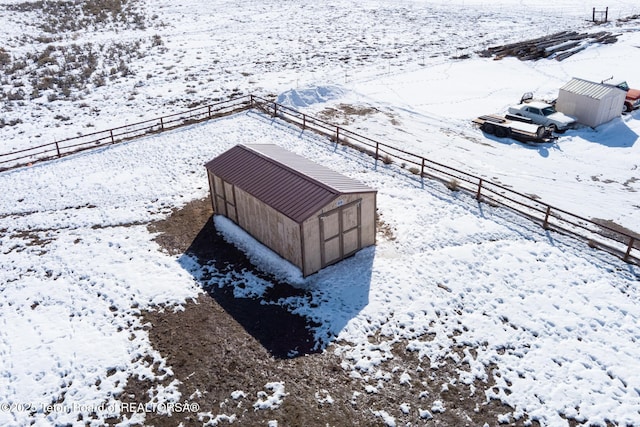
(225, 351)
(346, 114)
(615, 231)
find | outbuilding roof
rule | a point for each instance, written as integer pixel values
(289, 183)
(589, 89)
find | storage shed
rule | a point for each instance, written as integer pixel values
(307, 213)
(590, 103)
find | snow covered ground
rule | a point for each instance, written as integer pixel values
(556, 320)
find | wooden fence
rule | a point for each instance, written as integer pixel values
(614, 240)
(617, 241)
(127, 132)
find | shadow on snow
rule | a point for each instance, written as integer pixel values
(225, 272)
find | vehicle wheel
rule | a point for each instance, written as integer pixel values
(502, 132)
(626, 108)
(489, 128)
(553, 128)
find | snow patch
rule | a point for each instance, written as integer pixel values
(260, 255)
(273, 400)
(301, 98)
(238, 394)
(210, 420)
(405, 379)
(326, 399)
(425, 414)
(388, 420)
(437, 406)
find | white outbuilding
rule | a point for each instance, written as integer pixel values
(591, 103)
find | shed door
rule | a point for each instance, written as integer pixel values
(340, 232)
(224, 194)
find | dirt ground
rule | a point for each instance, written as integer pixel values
(224, 351)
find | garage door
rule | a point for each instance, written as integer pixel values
(340, 234)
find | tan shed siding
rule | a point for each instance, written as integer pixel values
(276, 231)
(212, 193)
(311, 228)
(368, 220)
(220, 204)
(311, 246)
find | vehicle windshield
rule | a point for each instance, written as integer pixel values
(623, 86)
(547, 111)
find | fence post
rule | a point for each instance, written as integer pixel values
(337, 134)
(209, 108)
(479, 192)
(161, 124)
(631, 242)
(593, 15)
(275, 109)
(113, 141)
(304, 121)
(545, 224)
(377, 150)
(58, 149)
(422, 173)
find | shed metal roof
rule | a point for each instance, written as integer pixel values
(589, 89)
(289, 183)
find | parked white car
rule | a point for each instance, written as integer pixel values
(544, 114)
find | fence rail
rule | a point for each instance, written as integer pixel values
(614, 240)
(127, 132)
(617, 241)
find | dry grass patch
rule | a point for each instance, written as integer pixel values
(344, 113)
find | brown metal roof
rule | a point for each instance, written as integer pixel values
(289, 183)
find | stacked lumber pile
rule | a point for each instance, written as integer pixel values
(558, 46)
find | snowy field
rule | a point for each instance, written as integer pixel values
(556, 321)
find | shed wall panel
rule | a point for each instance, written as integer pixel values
(270, 227)
(212, 192)
(311, 231)
(583, 108)
(331, 251)
(351, 241)
(591, 103)
(368, 225)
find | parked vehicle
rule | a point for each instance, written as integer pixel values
(632, 100)
(544, 114)
(518, 128)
